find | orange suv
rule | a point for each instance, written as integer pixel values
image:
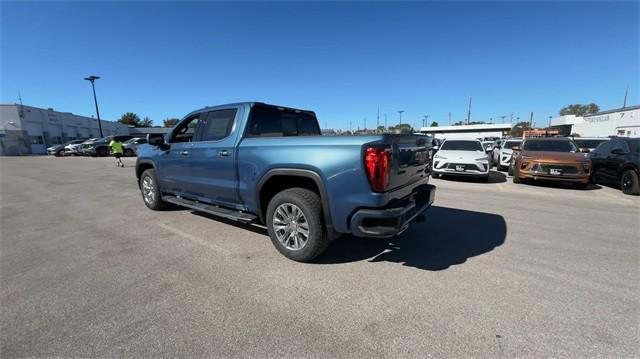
(550, 159)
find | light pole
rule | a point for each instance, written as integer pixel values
(424, 120)
(92, 79)
(400, 112)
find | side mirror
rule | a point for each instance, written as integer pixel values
(516, 148)
(585, 150)
(155, 139)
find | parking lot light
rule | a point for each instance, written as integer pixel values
(92, 79)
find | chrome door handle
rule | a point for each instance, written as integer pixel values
(223, 153)
(184, 153)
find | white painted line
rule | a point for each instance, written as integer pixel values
(195, 239)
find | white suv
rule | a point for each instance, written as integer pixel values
(461, 157)
(502, 153)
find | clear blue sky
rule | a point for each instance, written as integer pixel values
(342, 60)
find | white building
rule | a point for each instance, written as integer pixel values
(30, 130)
(617, 122)
(468, 131)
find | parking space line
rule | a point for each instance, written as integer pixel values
(500, 187)
(195, 239)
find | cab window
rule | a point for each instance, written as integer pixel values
(185, 131)
(217, 125)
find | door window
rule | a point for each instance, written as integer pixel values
(619, 145)
(217, 125)
(186, 130)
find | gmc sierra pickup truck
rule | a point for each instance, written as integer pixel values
(253, 162)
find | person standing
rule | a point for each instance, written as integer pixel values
(117, 149)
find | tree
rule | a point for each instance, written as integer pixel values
(579, 109)
(403, 128)
(516, 131)
(146, 122)
(130, 119)
(169, 122)
(434, 124)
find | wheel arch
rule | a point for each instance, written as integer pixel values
(141, 166)
(276, 180)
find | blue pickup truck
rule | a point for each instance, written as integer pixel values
(253, 162)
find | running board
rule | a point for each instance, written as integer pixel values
(211, 209)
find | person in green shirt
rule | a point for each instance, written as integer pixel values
(117, 149)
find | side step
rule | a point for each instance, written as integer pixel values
(211, 209)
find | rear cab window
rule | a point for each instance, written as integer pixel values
(271, 121)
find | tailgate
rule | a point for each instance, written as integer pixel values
(410, 158)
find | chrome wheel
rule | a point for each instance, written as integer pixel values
(291, 226)
(148, 190)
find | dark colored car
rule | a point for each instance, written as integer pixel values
(100, 148)
(617, 162)
(131, 146)
(58, 150)
(550, 159)
(588, 144)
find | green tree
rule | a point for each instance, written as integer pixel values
(516, 131)
(169, 122)
(579, 109)
(403, 128)
(434, 124)
(146, 122)
(130, 119)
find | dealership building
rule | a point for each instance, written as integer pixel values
(468, 131)
(617, 122)
(28, 130)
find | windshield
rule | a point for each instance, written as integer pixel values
(588, 143)
(461, 146)
(511, 144)
(550, 146)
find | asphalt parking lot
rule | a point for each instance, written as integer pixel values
(495, 270)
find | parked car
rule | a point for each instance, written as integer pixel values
(100, 148)
(617, 162)
(59, 150)
(587, 145)
(253, 162)
(503, 151)
(555, 159)
(131, 146)
(461, 157)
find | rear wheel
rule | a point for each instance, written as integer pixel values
(294, 222)
(102, 152)
(510, 171)
(151, 190)
(629, 183)
(129, 152)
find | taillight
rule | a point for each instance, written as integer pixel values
(377, 162)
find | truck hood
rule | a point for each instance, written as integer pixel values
(559, 157)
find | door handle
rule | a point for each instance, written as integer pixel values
(184, 153)
(223, 153)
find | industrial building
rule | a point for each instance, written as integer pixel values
(468, 131)
(617, 122)
(28, 130)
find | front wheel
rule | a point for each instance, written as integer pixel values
(151, 190)
(294, 222)
(629, 183)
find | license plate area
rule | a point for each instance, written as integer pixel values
(460, 168)
(555, 171)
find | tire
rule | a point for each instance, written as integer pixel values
(435, 175)
(59, 153)
(154, 201)
(129, 153)
(510, 171)
(285, 203)
(102, 152)
(500, 168)
(629, 183)
(516, 178)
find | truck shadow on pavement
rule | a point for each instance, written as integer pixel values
(447, 237)
(494, 177)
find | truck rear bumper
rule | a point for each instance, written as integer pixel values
(393, 220)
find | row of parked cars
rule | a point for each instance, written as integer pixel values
(580, 161)
(96, 147)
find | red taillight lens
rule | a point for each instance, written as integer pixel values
(377, 162)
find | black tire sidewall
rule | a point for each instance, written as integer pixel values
(635, 183)
(310, 204)
(157, 203)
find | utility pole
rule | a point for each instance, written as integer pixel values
(385, 121)
(511, 118)
(624, 105)
(469, 111)
(400, 112)
(449, 118)
(378, 120)
(365, 124)
(531, 121)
